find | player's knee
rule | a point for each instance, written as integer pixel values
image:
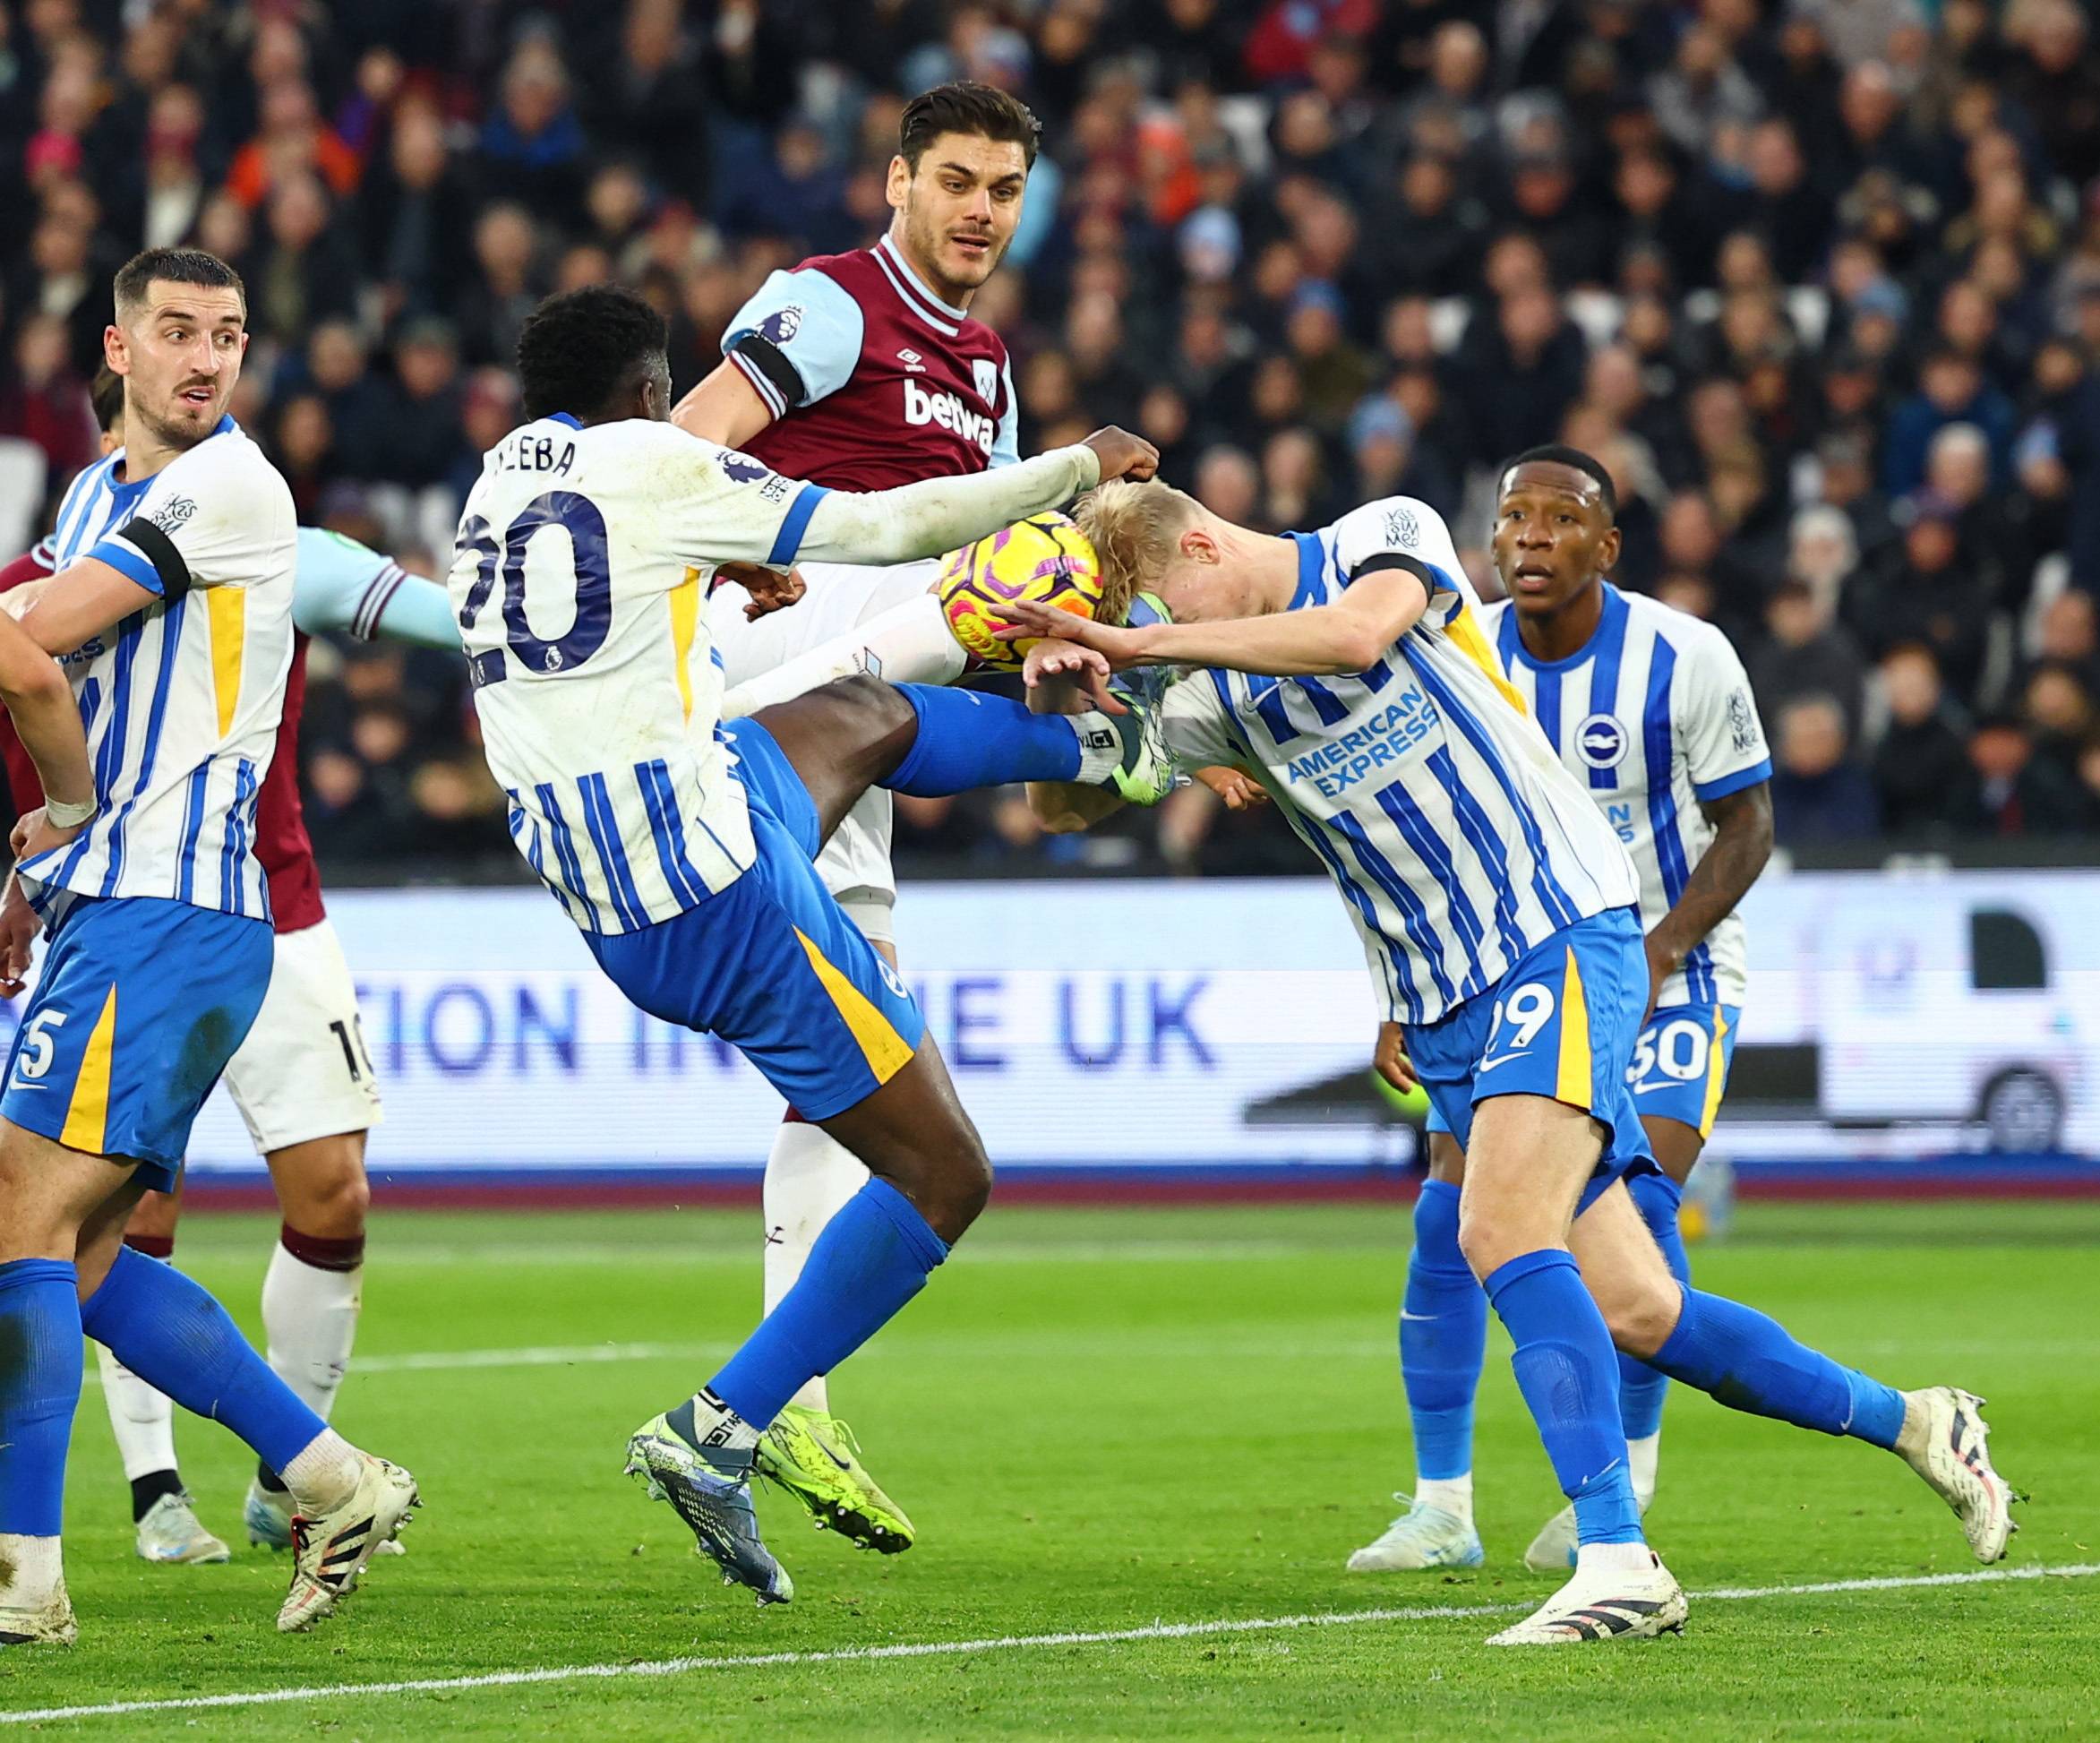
(1642, 1318)
(326, 1192)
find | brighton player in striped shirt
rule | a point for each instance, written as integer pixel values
(685, 853)
(1348, 672)
(171, 614)
(1652, 712)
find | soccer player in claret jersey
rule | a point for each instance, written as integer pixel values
(1346, 670)
(1652, 712)
(171, 608)
(303, 1080)
(685, 854)
(861, 371)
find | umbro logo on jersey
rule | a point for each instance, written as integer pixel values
(1601, 741)
(911, 359)
(781, 325)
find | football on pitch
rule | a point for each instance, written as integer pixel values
(1045, 560)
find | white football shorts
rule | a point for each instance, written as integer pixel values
(304, 1072)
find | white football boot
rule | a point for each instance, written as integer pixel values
(171, 1532)
(1946, 1441)
(1424, 1536)
(331, 1550)
(1604, 1603)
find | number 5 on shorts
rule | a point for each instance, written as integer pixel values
(34, 1059)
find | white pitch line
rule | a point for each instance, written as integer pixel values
(678, 1667)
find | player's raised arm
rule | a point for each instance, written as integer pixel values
(725, 408)
(342, 585)
(1349, 636)
(938, 514)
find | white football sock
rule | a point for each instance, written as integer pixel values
(35, 1567)
(1101, 747)
(310, 1321)
(324, 1473)
(808, 1177)
(142, 1419)
(1452, 1495)
(1619, 1557)
(1642, 1459)
(908, 644)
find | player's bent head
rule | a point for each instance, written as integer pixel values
(1138, 531)
(599, 354)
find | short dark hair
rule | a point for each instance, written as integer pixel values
(1558, 453)
(106, 395)
(582, 350)
(966, 107)
(175, 266)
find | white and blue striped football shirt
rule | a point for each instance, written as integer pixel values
(1654, 715)
(181, 700)
(1455, 835)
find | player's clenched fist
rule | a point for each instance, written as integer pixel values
(1123, 455)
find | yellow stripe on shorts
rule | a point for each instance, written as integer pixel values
(227, 608)
(87, 1117)
(1573, 1084)
(1717, 1073)
(886, 1051)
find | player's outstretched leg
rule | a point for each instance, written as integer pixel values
(809, 1453)
(170, 1333)
(1442, 1346)
(1748, 1361)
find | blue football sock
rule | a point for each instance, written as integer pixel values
(1568, 1373)
(1749, 1362)
(967, 739)
(173, 1336)
(1641, 1389)
(1442, 1338)
(39, 1389)
(871, 1259)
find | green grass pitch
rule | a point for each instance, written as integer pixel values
(1104, 1420)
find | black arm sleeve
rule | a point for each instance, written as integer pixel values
(1414, 566)
(159, 550)
(771, 362)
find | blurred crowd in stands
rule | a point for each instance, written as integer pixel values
(1818, 279)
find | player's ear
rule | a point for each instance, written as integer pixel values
(900, 182)
(1199, 546)
(117, 351)
(1608, 551)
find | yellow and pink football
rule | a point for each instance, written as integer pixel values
(1045, 560)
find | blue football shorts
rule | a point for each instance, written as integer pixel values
(139, 1004)
(1563, 1023)
(771, 963)
(1680, 1067)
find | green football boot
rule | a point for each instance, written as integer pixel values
(815, 1458)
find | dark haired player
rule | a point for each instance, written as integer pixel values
(303, 1080)
(1651, 710)
(685, 854)
(171, 614)
(861, 371)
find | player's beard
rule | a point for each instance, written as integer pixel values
(923, 240)
(175, 433)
